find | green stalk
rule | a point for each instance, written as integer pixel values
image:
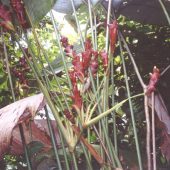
(60, 47)
(33, 58)
(52, 139)
(102, 115)
(91, 22)
(165, 11)
(131, 107)
(113, 103)
(153, 132)
(48, 99)
(148, 131)
(64, 150)
(74, 161)
(87, 157)
(102, 121)
(77, 23)
(14, 99)
(108, 21)
(132, 60)
(116, 157)
(102, 143)
(47, 60)
(8, 69)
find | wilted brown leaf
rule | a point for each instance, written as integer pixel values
(36, 130)
(165, 144)
(161, 110)
(14, 114)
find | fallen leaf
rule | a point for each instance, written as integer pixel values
(37, 130)
(14, 114)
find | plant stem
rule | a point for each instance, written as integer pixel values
(64, 150)
(102, 115)
(77, 22)
(131, 107)
(148, 133)
(87, 157)
(49, 101)
(60, 47)
(100, 138)
(132, 59)
(108, 21)
(153, 131)
(8, 69)
(165, 11)
(14, 99)
(113, 103)
(52, 139)
(74, 161)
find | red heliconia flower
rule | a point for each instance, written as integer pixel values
(154, 77)
(104, 57)
(64, 41)
(5, 16)
(77, 99)
(86, 57)
(69, 116)
(113, 34)
(72, 76)
(78, 67)
(88, 45)
(18, 7)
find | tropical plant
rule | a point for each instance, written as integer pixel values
(89, 103)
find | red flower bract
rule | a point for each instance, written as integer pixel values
(88, 45)
(18, 7)
(113, 34)
(6, 18)
(78, 67)
(104, 57)
(69, 116)
(72, 76)
(86, 57)
(154, 77)
(77, 100)
(94, 66)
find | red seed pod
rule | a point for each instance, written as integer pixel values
(113, 34)
(5, 15)
(18, 7)
(104, 57)
(154, 78)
